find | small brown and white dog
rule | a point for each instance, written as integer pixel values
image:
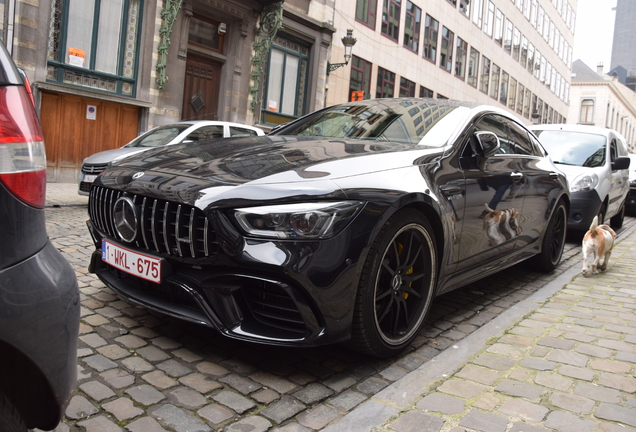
(598, 241)
(501, 225)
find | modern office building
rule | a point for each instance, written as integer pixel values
(512, 53)
(623, 52)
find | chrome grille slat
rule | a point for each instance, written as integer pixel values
(205, 237)
(165, 227)
(176, 230)
(152, 225)
(190, 233)
(143, 223)
(190, 225)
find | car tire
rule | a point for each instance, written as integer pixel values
(553, 240)
(396, 287)
(616, 221)
(10, 420)
(601, 214)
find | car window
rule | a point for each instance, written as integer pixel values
(518, 140)
(613, 150)
(497, 125)
(574, 148)
(241, 132)
(206, 133)
(158, 137)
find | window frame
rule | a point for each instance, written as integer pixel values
(428, 38)
(407, 88)
(461, 56)
(366, 81)
(372, 8)
(122, 83)
(387, 27)
(484, 75)
(494, 81)
(413, 44)
(446, 54)
(473, 67)
(382, 80)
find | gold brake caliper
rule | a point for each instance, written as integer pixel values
(408, 272)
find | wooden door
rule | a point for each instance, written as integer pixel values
(72, 131)
(201, 89)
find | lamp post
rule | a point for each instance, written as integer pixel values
(348, 41)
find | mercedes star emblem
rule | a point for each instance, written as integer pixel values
(125, 218)
(137, 175)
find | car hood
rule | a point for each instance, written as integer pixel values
(110, 155)
(572, 171)
(259, 168)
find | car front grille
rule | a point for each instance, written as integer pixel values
(165, 228)
(89, 168)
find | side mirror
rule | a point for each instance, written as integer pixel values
(489, 143)
(621, 163)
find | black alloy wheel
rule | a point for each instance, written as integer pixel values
(397, 286)
(553, 240)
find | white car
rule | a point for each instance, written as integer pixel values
(595, 161)
(175, 133)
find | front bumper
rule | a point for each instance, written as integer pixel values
(584, 206)
(305, 299)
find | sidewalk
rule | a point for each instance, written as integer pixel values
(562, 360)
(63, 194)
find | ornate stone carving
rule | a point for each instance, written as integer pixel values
(169, 16)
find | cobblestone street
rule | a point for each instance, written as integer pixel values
(143, 372)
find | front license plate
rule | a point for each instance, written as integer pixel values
(143, 266)
(90, 178)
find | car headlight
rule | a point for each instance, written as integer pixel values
(318, 220)
(584, 182)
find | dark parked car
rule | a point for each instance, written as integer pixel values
(39, 299)
(341, 225)
(630, 202)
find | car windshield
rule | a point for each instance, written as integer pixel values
(159, 136)
(574, 148)
(413, 122)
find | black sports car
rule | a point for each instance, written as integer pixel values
(343, 224)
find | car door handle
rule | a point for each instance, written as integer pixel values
(450, 190)
(516, 177)
(554, 175)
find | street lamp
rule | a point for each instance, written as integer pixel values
(348, 41)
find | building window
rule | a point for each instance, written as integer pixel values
(512, 94)
(365, 12)
(94, 44)
(503, 93)
(494, 81)
(516, 44)
(473, 67)
(478, 13)
(526, 9)
(386, 84)
(391, 19)
(499, 27)
(520, 95)
(425, 92)
(533, 15)
(537, 64)
(360, 80)
(460, 58)
(464, 7)
(412, 27)
(540, 20)
(523, 58)
(407, 88)
(286, 82)
(490, 18)
(446, 50)
(526, 103)
(485, 74)
(530, 58)
(431, 30)
(508, 39)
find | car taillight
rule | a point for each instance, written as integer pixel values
(22, 154)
